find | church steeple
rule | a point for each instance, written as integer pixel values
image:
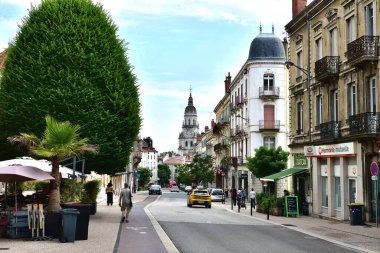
(190, 103)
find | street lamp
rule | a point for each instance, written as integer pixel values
(238, 116)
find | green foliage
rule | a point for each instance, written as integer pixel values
(201, 168)
(92, 189)
(71, 191)
(67, 61)
(42, 186)
(183, 174)
(163, 173)
(145, 175)
(267, 161)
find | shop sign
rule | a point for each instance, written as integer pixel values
(300, 160)
(352, 171)
(341, 149)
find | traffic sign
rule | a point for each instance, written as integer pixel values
(374, 168)
(374, 178)
(138, 174)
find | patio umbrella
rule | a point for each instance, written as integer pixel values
(19, 173)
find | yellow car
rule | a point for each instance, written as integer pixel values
(199, 197)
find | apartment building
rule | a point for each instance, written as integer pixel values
(334, 102)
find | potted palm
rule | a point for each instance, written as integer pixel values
(59, 141)
(91, 189)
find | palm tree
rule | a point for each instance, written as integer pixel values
(60, 140)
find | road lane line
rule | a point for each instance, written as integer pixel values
(169, 246)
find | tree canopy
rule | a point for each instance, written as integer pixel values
(200, 169)
(163, 173)
(145, 175)
(267, 161)
(67, 61)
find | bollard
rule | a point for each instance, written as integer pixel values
(251, 207)
(268, 210)
(232, 204)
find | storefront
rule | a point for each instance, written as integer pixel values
(337, 178)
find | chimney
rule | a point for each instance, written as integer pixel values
(227, 83)
(298, 6)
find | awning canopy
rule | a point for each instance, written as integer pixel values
(284, 173)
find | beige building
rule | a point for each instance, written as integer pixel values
(333, 117)
(221, 133)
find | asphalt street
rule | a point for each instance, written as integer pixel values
(217, 230)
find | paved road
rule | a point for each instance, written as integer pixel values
(217, 230)
(139, 235)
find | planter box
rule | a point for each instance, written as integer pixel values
(93, 208)
(53, 224)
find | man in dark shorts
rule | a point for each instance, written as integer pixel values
(125, 202)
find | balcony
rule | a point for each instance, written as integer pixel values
(232, 132)
(327, 68)
(364, 123)
(299, 131)
(217, 129)
(269, 125)
(264, 93)
(362, 50)
(330, 130)
(299, 79)
(239, 101)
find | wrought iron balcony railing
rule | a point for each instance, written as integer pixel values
(233, 161)
(264, 93)
(364, 123)
(363, 49)
(330, 130)
(240, 160)
(326, 68)
(299, 79)
(270, 125)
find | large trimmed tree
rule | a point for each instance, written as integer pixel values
(67, 61)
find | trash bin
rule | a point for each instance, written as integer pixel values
(69, 222)
(356, 213)
(83, 219)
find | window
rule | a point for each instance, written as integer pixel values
(337, 193)
(299, 63)
(269, 141)
(352, 190)
(191, 143)
(334, 105)
(334, 42)
(319, 110)
(372, 99)
(300, 117)
(186, 144)
(268, 82)
(194, 122)
(246, 91)
(369, 20)
(318, 49)
(350, 29)
(351, 99)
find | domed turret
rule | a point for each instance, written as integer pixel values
(266, 46)
(190, 109)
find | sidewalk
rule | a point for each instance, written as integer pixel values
(102, 232)
(364, 238)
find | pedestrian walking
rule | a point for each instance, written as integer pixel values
(226, 192)
(125, 202)
(252, 196)
(110, 192)
(233, 195)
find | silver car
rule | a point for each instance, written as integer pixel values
(217, 194)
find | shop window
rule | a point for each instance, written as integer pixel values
(337, 193)
(325, 197)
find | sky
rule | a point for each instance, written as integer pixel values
(174, 45)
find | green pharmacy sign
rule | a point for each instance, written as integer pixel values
(300, 160)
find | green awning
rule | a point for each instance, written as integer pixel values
(284, 173)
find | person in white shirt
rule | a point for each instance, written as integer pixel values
(252, 196)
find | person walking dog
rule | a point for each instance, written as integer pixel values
(125, 202)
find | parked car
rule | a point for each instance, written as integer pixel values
(174, 188)
(155, 189)
(188, 189)
(217, 194)
(199, 197)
